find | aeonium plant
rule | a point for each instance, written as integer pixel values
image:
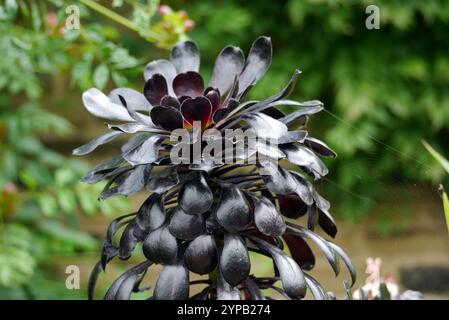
(205, 217)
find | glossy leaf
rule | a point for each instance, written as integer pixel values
(164, 68)
(134, 128)
(294, 116)
(320, 202)
(132, 183)
(128, 241)
(147, 152)
(315, 288)
(327, 223)
(201, 254)
(258, 62)
(155, 89)
(322, 244)
(253, 289)
(185, 226)
(169, 101)
(293, 136)
(300, 251)
(189, 84)
(302, 156)
(98, 104)
(135, 142)
(214, 98)
(304, 188)
(291, 206)
(292, 277)
(172, 284)
(233, 211)
(160, 246)
(347, 261)
(195, 196)
(279, 181)
(111, 294)
(139, 117)
(168, 118)
(93, 278)
(266, 127)
(319, 147)
(185, 56)
(196, 109)
(151, 214)
(95, 143)
(271, 101)
(228, 65)
(267, 218)
(134, 99)
(163, 180)
(234, 260)
(225, 291)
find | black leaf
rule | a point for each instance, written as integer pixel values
(151, 214)
(234, 260)
(233, 211)
(172, 284)
(228, 66)
(160, 246)
(292, 277)
(195, 196)
(267, 218)
(258, 62)
(225, 291)
(95, 143)
(185, 56)
(201, 254)
(185, 226)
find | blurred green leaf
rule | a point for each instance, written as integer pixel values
(76, 238)
(16, 261)
(66, 200)
(101, 76)
(48, 205)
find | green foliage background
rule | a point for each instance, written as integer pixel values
(42, 202)
(385, 91)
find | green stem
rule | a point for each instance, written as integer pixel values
(110, 14)
(151, 37)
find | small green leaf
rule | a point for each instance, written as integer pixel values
(87, 200)
(119, 79)
(48, 205)
(27, 179)
(81, 72)
(101, 76)
(67, 200)
(63, 177)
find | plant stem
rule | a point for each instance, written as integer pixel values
(150, 37)
(110, 14)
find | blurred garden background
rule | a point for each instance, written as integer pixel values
(384, 90)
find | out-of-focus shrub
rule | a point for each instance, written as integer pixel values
(41, 199)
